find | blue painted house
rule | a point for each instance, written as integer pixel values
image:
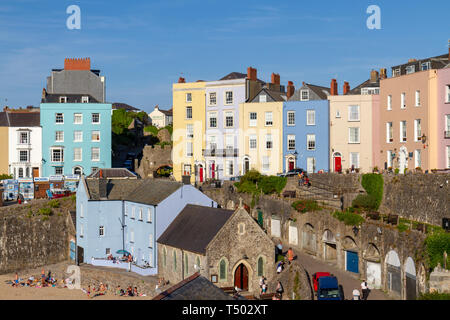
(306, 135)
(76, 137)
(128, 214)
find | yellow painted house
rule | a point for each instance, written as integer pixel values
(4, 144)
(188, 128)
(261, 137)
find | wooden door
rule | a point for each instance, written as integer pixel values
(35, 172)
(291, 165)
(241, 277)
(201, 174)
(337, 164)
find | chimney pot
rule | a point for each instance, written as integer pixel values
(251, 73)
(334, 87)
(181, 80)
(77, 64)
(373, 76)
(346, 87)
(290, 89)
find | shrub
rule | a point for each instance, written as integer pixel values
(366, 202)
(53, 203)
(5, 176)
(253, 182)
(373, 184)
(402, 227)
(434, 296)
(152, 129)
(348, 217)
(435, 244)
(397, 170)
(306, 206)
(252, 176)
(272, 184)
(45, 211)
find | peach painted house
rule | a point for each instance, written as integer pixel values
(409, 115)
(443, 114)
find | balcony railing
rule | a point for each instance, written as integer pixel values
(221, 153)
(447, 134)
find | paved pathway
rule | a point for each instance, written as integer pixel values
(348, 280)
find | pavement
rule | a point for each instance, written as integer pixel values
(348, 280)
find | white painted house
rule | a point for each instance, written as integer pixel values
(161, 118)
(25, 144)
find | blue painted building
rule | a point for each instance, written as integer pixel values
(306, 135)
(76, 137)
(145, 207)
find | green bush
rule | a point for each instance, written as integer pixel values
(402, 227)
(253, 182)
(434, 296)
(348, 217)
(53, 203)
(272, 184)
(365, 201)
(5, 176)
(373, 184)
(397, 170)
(152, 129)
(435, 244)
(306, 206)
(252, 176)
(45, 211)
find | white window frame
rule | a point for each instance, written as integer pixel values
(229, 142)
(85, 99)
(410, 69)
(61, 154)
(253, 138)
(389, 102)
(141, 214)
(311, 142)
(191, 115)
(290, 139)
(447, 95)
(80, 154)
(417, 158)
(59, 136)
(350, 135)
(101, 231)
(150, 240)
(268, 120)
(338, 114)
(75, 136)
(189, 150)
(189, 97)
(396, 72)
(133, 212)
(227, 115)
(27, 153)
(63, 99)
(212, 95)
(351, 159)
(389, 132)
(92, 118)
(61, 115)
(308, 113)
(92, 154)
(189, 131)
(290, 116)
(307, 95)
(403, 100)
(403, 124)
(417, 104)
(226, 97)
(417, 126)
(212, 115)
(253, 122)
(426, 64)
(263, 98)
(265, 163)
(350, 108)
(57, 170)
(229, 168)
(389, 158)
(77, 116)
(25, 134)
(149, 215)
(269, 141)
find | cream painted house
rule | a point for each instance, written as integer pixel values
(161, 118)
(261, 137)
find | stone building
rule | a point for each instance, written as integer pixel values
(153, 158)
(227, 247)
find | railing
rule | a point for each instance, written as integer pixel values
(124, 265)
(221, 153)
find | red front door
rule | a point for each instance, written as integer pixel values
(201, 174)
(337, 164)
(212, 170)
(241, 277)
(291, 165)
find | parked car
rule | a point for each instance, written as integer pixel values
(237, 178)
(292, 172)
(316, 277)
(329, 289)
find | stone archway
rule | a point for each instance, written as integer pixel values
(309, 241)
(372, 258)
(393, 273)
(351, 254)
(410, 279)
(329, 246)
(243, 268)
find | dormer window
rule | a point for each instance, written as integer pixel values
(426, 66)
(304, 95)
(62, 99)
(410, 69)
(85, 99)
(396, 72)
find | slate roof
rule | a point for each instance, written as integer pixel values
(275, 95)
(146, 191)
(167, 112)
(319, 90)
(20, 119)
(71, 98)
(365, 84)
(437, 62)
(234, 75)
(195, 227)
(195, 287)
(111, 173)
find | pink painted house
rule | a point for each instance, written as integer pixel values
(443, 117)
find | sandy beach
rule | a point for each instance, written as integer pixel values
(90, 275)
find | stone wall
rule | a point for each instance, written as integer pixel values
(153, 157)
(29, 241)
(420, 197)
(440, 280)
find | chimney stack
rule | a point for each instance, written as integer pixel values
(275, 78)
(333, 88)
(383, 74)
(374, 76)
(290, 89)
(77, 64)
(181, 80)
(346, 87)
(251, 73)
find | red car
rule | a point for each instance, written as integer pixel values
(316, 277)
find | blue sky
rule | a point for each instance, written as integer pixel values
(142, 47)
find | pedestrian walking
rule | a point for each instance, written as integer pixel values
(279, 289)
(290, 254)
(261, 284)
(365, 290)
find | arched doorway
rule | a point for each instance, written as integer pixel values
(309, 239)
(246, 165)
(351, 255)
(329, 245)
(241, 277)
(77, 170)
(290, 163)
(337, 162)
(293, 233)
(410, 273)
(373, 266)
(393, 273)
